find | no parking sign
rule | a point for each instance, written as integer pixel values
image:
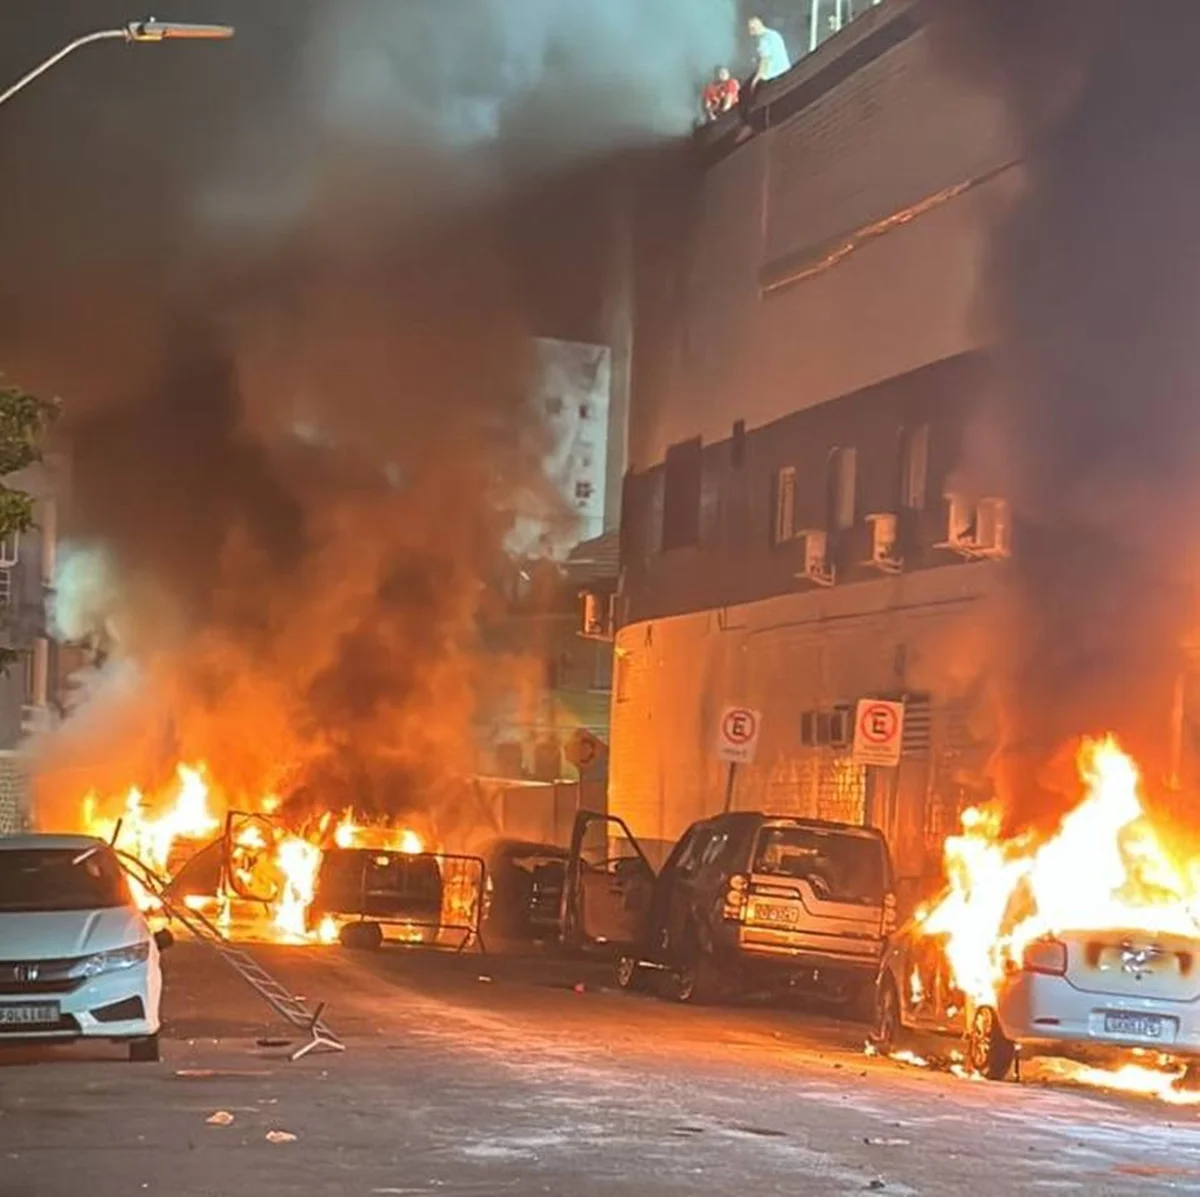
(737, 738)
(878, 732)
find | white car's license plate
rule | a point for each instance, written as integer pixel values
(775, 912)
(29, 1015)
(1136, 1026)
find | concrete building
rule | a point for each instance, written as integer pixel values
(806, 361)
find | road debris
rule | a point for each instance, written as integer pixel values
(220, 1118)
(278, 1136)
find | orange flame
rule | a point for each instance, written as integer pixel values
(1004, 894)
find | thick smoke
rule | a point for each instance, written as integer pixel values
(289, 315)
(1092, 293)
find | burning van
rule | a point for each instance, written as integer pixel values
(359, 891)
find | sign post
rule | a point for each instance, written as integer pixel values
(878, 732)
(737, 743)
(583, 751)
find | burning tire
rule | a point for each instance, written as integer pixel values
(989, 1051)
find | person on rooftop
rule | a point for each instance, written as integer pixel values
(720, 94)
(770, 52)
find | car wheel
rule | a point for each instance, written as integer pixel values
(989, 1051)
(630, 974)
(144, 1050)
(697, 980)
(363, 937)
(885, 1029)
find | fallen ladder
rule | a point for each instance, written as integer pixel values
(283, 1002)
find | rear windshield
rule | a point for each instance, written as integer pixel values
(839, 866)
(349, 874)
(51, 879)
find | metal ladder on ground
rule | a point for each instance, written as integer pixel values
(281, 1000)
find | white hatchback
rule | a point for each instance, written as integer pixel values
(77, 957)
(1081, 994)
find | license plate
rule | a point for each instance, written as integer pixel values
(774, 912)
(43, 1014)
(1137, 1026)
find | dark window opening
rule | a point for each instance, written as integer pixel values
(914, 468)
(737, 446)
(840, 489)
(681, 495)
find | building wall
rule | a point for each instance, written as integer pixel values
(821, 296)
(891, 176)
(784, 656)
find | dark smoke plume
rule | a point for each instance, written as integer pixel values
(285, 288)
(1091, 295)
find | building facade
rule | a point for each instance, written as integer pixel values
(806, 363)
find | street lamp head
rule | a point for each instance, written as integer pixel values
(151, 30)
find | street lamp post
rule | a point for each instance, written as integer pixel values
(134, 32)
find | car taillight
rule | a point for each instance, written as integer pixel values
(1047, 956)
(735, 896)
(889, 913)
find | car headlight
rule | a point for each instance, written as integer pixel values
(108, 962)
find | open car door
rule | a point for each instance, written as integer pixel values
(609, 885)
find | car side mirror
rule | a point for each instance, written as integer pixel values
(163, 939)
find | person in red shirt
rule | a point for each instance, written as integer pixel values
(721, 94)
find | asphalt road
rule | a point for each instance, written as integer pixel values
(489, 1076)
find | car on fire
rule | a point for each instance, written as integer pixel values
(363, 890)
(746, 902)
(1087, 995)
(77, 958)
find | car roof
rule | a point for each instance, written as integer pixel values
(49, 843)
(758, 816)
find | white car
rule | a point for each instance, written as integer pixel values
(77, 958)
(1083, 994)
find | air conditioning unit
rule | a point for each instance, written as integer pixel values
(885, 530)
(599, 616)
(979, 531)
(817, 568)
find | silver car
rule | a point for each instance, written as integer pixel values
(1080, 994)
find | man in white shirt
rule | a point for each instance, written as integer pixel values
(770, 52)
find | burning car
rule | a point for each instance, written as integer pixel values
(1084, 943)
(1087, 994)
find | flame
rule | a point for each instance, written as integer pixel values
(298, 860)
(265, 857)
(1005, 893)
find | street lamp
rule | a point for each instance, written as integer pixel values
(135, 31)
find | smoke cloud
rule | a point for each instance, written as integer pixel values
(1091, 292)
(286, 294)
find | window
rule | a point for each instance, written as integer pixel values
(585, 411)
(785, 505)
(583, 491)
(681, 495)
(914, 468)
(840, 493)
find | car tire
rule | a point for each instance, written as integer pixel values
(361, 937)
(697, 981)
(630, 975)
(989, 1051)
(144, 1050)
(886, 1025)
